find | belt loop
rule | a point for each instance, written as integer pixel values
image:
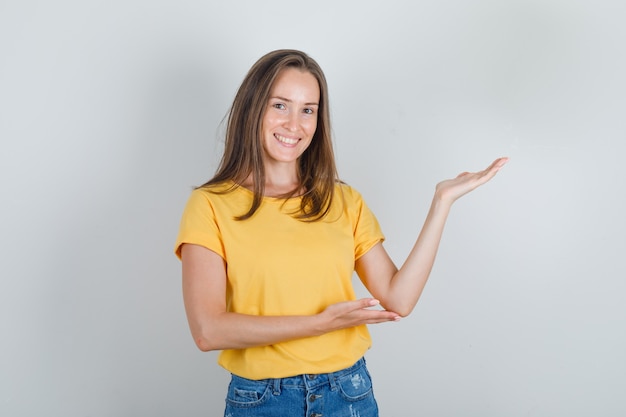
(276, 386)
(332, 380)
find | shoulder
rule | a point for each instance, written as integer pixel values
(348, 193)
(219, 188)
(349, 199)
(208, 196)
(214, 192)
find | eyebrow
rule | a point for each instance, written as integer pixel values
(290, 101)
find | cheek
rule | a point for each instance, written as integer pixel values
(312, 127)
(266, 123)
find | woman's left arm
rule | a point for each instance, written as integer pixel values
(399, 289)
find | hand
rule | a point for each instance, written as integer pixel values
(354, 313)
(452, 189)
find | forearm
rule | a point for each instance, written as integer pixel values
(226, 330)
(407, 284)
(238, 331)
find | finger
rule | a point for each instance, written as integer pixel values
(499, 163)
(367, 302)
(355, 305)
(492, 169)
(380, 316)
(488, 172)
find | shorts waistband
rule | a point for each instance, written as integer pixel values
(311, 381)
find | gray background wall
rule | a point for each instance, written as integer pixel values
(110, 111)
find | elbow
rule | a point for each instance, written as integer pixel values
(206, 340)
(402, 305)
(403, 310)
(203, 344)
(209, 334)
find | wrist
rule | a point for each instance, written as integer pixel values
(318, 324)
(441, 201)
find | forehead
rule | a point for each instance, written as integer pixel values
(294, 83)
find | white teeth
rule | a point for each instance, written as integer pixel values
(285, 140)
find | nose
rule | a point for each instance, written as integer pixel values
(291, 123)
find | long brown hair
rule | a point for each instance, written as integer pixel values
(243, 152)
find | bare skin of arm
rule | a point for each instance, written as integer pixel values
(214, 328)
(399, 289)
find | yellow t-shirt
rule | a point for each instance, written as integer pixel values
(278, 265)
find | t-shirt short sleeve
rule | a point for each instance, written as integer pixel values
(199, 225)
(367, 231)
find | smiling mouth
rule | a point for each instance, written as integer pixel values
(285, 140)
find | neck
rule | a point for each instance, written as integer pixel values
(279, 181)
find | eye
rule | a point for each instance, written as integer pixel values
(309, 110)
(279, 106)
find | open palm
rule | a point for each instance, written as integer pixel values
(452, 189)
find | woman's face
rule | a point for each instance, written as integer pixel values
(290, 117)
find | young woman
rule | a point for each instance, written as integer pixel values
(269, 246)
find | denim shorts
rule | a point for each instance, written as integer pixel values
(345, 393)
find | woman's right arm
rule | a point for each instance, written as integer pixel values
(214, 328)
